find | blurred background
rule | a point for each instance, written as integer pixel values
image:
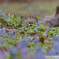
(38, 8)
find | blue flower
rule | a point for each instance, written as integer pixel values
(30, 57)
(22, 43)
(36, 28)
(6, 17)
(56, 46)
(34, 40)
(13, 32)
(56, 38)
(13, 50)
(1, 33)
(37, 38)
(29, 38)
(24, 52)
(18, 17)
(16, 57)
(2, 54)
(38, 48)
(41, 19)
(4, 31)
(39, 53)
(10, 34)
(2, 40)
(52, 52)
(38, 24)
(0, 12)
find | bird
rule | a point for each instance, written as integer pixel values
(52, 21)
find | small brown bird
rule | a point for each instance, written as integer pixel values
(52, 21)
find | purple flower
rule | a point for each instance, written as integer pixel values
(56, 38)
(24, 52)
(2, 54)
(34, 40)
(30, 15)
(6, 17)
(1, 33)
(22, 43)
(37, 38)
(41, 19)
(17, 17)
(29, 38)
(36, 28)
(39, 56)
(38, 48)
(30, 57)
(2, 40)
(13, 32)
(0, 12)
(52, 52)
(50, 38)
(10, 34)
(16, 57)
(13, 50)
(39, 53)
(4, 31)
(46, 31)
(38, 24)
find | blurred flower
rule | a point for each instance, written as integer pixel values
(13, 32)
(39, 56)
(50, 38)
(37, 38)
(1, 33)
(34, 40)
(39, 53)
(2, 54)
(16, 57)
(22, 44)
(38, 49)
(30, 15)
(30, 57)
(17, 17)
(29, 38)
(56, 38)
(52, 52)
(56, 46)
(4, 31)
(10, 34)
(38, 24)
(46, 31)
(13, 50)
(2, 40)
(41, 19)
(0, 12)
(36, 28)
(24, 52)
(57, 32)
(6, 17)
